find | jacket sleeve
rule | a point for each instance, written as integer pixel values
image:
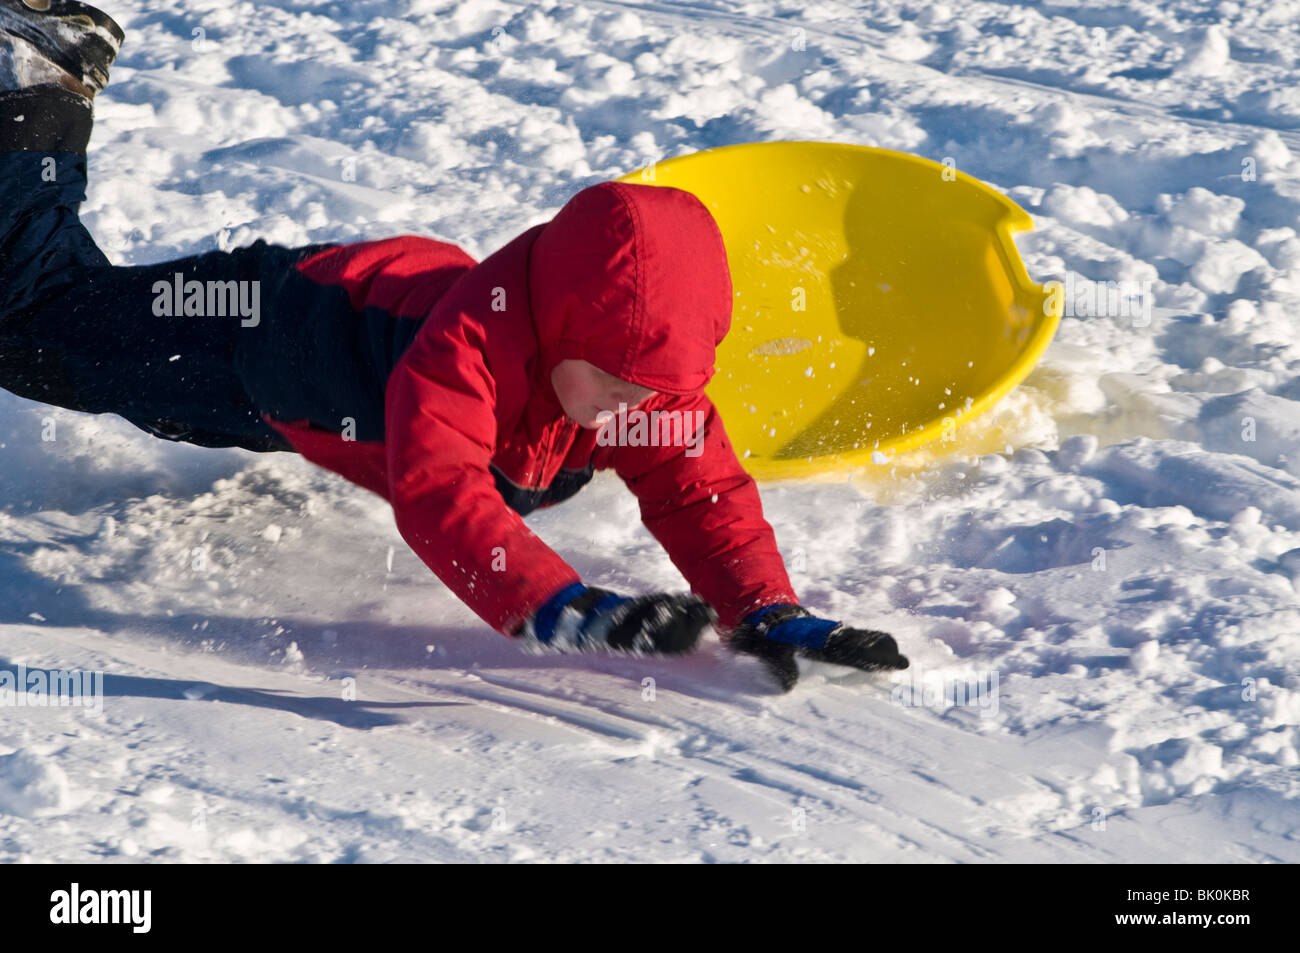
(704, 509)
(441, 434)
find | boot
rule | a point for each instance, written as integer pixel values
(56, 41)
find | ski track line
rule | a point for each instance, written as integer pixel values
(584, 723)
(866, 808)
(584, 699)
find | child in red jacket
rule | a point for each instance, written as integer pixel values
(467, 394)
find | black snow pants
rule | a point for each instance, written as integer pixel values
(80, 333)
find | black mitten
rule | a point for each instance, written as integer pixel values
(579, 618)
(778, 633)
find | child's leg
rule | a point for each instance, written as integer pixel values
(76, 331)
(194, 349)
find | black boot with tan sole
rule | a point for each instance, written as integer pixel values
(56, 41)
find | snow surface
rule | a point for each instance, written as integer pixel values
(1119, 544)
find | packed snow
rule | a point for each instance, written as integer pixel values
(1097, 584)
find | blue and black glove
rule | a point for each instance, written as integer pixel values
(582, 618)
(778, 633)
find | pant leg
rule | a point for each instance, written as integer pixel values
(79, 333)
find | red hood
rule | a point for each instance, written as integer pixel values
(633, 279)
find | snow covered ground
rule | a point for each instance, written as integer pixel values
(1111, 561)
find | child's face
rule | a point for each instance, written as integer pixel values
(585, 392)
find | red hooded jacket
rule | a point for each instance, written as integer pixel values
(631, 278)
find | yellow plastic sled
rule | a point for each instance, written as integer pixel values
(881, 301)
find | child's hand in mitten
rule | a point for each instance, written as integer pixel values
(778, 633)
(579, 618)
